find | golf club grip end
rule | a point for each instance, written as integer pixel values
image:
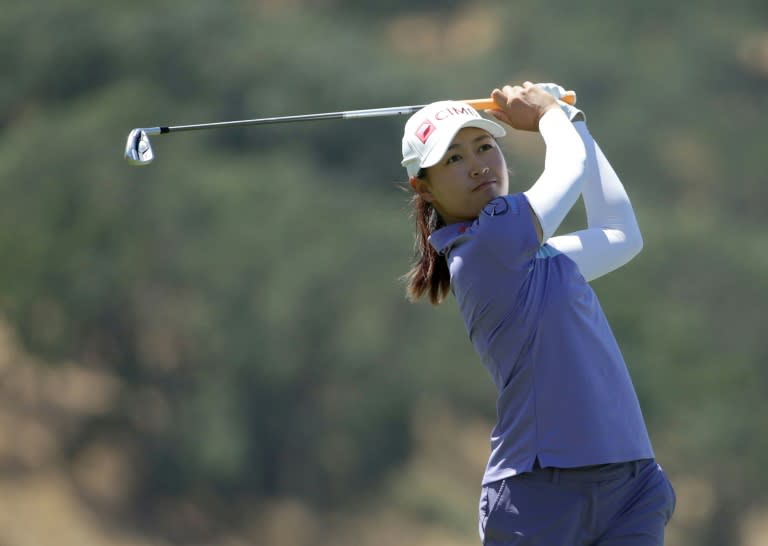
(569, 97)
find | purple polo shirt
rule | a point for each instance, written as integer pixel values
(564, 391)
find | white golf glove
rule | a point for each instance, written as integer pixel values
(557, 91)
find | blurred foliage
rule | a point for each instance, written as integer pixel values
(244, 288)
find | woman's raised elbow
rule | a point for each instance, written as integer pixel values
(634, 242)
(581, 161)
(577, 165)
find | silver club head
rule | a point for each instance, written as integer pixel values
(138, 150)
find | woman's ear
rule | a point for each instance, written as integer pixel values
(421, 187)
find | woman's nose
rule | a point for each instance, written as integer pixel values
(480, 171)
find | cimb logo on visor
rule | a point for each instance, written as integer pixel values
(426, 128)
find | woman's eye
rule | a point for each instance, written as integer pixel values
(452, 159)
(485, 147)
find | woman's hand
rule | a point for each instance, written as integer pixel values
(521, 106)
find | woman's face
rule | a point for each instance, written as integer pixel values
(471, 173)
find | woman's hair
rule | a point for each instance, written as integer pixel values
(429, 271)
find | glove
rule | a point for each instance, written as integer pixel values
(557, 91)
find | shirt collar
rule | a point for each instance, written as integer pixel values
(446, 237)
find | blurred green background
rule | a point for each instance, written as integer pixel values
(215, 349)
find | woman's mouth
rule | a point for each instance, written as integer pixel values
(482, 185)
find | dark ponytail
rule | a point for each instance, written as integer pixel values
(429, 271)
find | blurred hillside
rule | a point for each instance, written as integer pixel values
(215, 349)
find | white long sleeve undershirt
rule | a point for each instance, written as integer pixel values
(612, 236)
(559, 186)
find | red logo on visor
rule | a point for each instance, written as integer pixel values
(425, 130)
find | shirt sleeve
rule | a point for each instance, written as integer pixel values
(612, 237)
(505, 228)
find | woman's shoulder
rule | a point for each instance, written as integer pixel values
(502, 205)
(496, 215)
(505, 225)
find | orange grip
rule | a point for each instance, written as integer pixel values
(488, 104)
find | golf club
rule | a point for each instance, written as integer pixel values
(138, 150)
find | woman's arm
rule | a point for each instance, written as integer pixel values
(612, 237)
(532, 108)
(565, 164)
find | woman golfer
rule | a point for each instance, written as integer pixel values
(571, 462)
